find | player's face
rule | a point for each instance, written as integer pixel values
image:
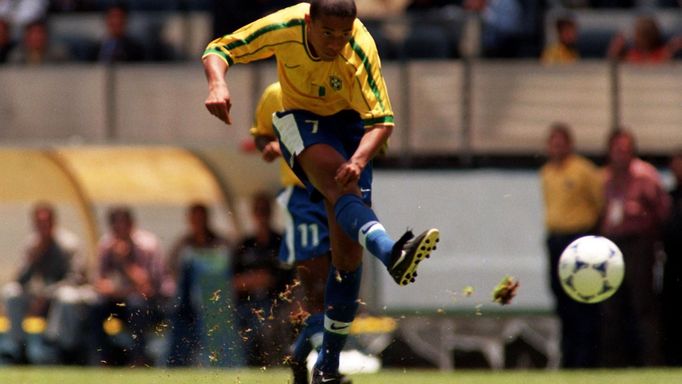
(327, 35)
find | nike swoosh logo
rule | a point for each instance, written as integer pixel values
(367, 227)
(334, 327)
(327, 380)
(292, 66)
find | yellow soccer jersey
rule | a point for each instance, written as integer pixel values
(352, 81)
(573, 194)
(269, 103)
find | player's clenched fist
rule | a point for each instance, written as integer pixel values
(348, 172)
(218, 102)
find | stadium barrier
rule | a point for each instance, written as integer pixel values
(442, 107)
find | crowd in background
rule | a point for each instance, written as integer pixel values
(209, 302)
(491, 29)
(626, 202)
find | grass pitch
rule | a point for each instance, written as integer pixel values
(49, 375)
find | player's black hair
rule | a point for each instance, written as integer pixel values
(338, 8)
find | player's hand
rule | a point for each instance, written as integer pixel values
(348, 172)
(218, 101)
(271, 151)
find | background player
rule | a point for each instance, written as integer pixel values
(337, 116)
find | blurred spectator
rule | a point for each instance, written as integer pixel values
(258, 278)
(636, 208)
(36, 47)
(563, 50)
(19, 13)
(672, 275)
(647, 46)
(573, 196)
(502, 26)
(198, 254)
(46, 291)
(6, 41)
(118, 45)
(131, 286)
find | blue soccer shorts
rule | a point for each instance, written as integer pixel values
(298, 130)
(306, 233)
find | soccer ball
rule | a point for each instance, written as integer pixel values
(591, 269)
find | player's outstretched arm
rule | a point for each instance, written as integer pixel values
(218, 100)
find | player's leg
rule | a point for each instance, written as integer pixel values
(341, 297)
(358, 221)
(306, 245)
(319, 152)
(312, 274)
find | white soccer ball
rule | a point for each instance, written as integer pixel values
(591, 269)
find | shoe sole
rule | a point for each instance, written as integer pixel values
(426, 245)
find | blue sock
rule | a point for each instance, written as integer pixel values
(304, 342)
(360, 223)
(341, 301)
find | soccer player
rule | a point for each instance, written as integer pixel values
(336, 117)
(306, 239)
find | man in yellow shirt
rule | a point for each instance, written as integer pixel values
(573, 197)
(336, 117)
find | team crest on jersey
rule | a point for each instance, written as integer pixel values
(335, 83)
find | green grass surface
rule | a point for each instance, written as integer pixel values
(48, 375)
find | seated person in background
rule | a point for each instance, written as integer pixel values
(36, 47)
(118, 45)
(44, 287)
(258, 277)
(648, 45)
(200, 240)
(131, 287)
(6, 42)
(562, 51)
